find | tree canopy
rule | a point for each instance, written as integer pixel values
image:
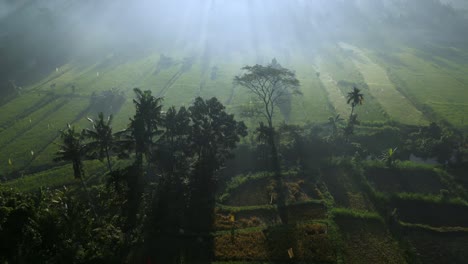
(269, 84)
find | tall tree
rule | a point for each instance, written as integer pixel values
(214, 134)
(102, 139)
(144, 125)
(139, 137)
(72, 149)
(270, 84)
(355, 98)
(169, 201)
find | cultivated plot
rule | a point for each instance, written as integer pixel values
(395, 104)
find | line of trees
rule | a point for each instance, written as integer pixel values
(178, 152)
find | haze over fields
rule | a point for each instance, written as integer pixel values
(233, 131)
(409, 56)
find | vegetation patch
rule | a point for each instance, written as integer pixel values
(431, 210)
(366, 239)
(306, 211)
(342, 213)
(55, 177)
(307, 242)
(346, 192)
(405, 180)
(433, 246)
(248, 190)
(228, 217)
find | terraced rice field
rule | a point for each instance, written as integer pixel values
(401, 86)
(381, 88)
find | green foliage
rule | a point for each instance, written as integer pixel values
(214, 132)
(355, 98)
(270, 84)
(438, 199)
(388, 157)
(72, 149)
(347, 212)
(102, 139)
(145, 123)
(239, 180)
(54, 227)
(55, 177)
(403, 165)
(237, 209)
(443, 229)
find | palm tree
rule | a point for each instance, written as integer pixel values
(145, 123)
(355, 97)
(102, 140)
(72, 149)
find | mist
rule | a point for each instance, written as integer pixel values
(73, 29)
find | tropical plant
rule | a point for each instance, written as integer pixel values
(355, 97)
(102, 140)
(73, 150)
(214, 134)
(333, 123)
(389, 158)
(144, 125)
(174, 140)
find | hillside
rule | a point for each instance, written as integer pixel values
(388, 186)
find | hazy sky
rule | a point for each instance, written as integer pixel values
(220, 26)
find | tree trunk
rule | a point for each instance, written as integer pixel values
(280, 188)
(108, 160)
(83, 183)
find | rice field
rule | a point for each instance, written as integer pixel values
(399, 86)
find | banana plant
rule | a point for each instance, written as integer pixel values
(389, 157)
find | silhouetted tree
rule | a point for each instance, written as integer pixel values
(355, 97)
(174, 140)
(72, 149)
(270, 84)
(144, 125)
(214, 134)
(169, 200)
(102, 139)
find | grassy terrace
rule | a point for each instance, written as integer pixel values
(56, 177)
(395, 104)
(436, 85)
(397, 87)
